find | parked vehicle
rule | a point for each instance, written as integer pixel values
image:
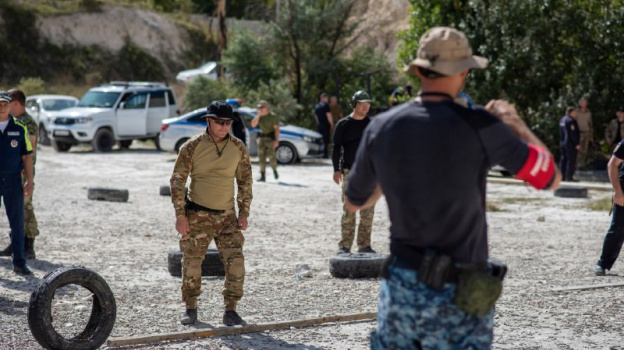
(44, 107)
(115, 112)
(208, 70)
(295, 143)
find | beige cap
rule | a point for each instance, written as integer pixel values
(262, 103)
(446, 51)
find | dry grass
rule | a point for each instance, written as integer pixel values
(601, 204)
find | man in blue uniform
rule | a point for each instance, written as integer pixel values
(430, 158)
(15, 157)
(324, 121)
(569, 140)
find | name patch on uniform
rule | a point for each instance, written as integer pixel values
(13, 143)
(13, 133)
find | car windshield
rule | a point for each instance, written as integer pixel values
(99, 99)
(58, 104)
(207, 67)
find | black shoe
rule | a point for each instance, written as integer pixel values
(8, 251)
(343, 250)
(367, 250)
(275, 174)
(29, 250)
(22, 270)
(262, 178)
(231, 318)
(189, 317)
(599, 270)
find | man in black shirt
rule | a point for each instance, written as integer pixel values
(430, 158)
(347, 136)
(324, 121)
(615, 234)
(569, 140)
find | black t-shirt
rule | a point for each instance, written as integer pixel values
(431, 160)
(321, 109)
(619, 153)
(347, 135)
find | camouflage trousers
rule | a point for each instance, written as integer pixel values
(31, 228)
(348, 222)
(265, 149)
(583, 157)
(412, 315)
(229, 239)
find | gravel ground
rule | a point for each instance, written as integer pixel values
(547, 242)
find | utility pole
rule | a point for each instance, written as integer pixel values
(222, 35)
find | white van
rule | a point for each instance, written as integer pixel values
(114, 112)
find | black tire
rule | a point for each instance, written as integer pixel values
(286, 153)
(103, 141)
(571, 192)
(211, 266)
(179, 144)
(107, 194)
(60, 146)
(356, 265)
(44, 139)
(165, 190)
(103, 311)
(125, 144)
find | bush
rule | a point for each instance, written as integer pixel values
(32, 86)
(201, 91)
(281, 100)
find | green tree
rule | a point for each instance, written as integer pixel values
(201, 91)
(543, 55)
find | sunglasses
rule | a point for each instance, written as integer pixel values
(221, 121)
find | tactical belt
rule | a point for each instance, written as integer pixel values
(196, 207)
(270, 135)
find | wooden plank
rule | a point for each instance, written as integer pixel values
(215, 332)
(595, 286)
(588, 185)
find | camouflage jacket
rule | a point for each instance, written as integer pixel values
(31, 125)
(190, 163)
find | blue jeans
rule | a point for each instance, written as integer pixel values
(412, 315)
(12, 193)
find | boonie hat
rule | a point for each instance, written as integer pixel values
(621, 109)
(446, 51)
(4, 96)
(262, 104)
(219, 109)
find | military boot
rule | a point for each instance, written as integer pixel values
(275, 174)
(189, 317)
(29, 249)
(231, 318)
(8, 251)
(262, 177)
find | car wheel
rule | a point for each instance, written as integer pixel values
(103, 141)
(103, 311)
(286, 153)
(44, 139)
(357, 265)
(60, 146)
(179, 145)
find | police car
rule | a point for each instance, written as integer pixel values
(295, 143)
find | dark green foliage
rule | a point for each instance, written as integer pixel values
(248, 9)
(133, 63)
(544, 55)
(201, 91)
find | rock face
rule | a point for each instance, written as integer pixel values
(162, 38)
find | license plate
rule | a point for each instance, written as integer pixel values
(61, 132)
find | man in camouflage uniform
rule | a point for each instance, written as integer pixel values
(614, 132)
(213, 160)
(31, 230)
(347, 136)
(268, 137)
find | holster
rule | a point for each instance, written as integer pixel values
(478, 290)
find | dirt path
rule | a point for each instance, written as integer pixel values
(546, 241)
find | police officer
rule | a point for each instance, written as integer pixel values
(268, 137)
(31, 229)
(347, 136)
(569, 140)
(15, 157)
(435, 190)
(213, 160)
